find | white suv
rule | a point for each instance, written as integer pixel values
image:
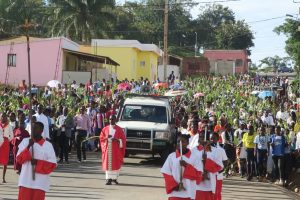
(148, 124)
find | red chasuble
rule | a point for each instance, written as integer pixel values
(117, 149)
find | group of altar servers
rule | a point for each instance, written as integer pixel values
(38, 160)
(192, 172)
(195, 172)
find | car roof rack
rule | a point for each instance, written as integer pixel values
(148, 96)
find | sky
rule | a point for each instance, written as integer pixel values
(267, 43)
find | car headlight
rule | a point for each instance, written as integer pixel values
(162, 135)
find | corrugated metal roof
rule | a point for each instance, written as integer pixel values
(92, 57)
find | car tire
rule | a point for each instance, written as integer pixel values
(164, 155)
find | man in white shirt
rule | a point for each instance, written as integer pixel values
(267, 119)
(281, 114)
(74, 85)
(40, 117)
(261, 152)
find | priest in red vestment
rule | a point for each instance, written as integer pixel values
(113, 145)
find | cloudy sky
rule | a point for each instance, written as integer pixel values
(267, 43)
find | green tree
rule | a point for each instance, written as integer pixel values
(145, 21)
(290, 29)
(234, 35)
(14, 12)
(217, 28)
(275, 62)
(123, 26)
(209, 21)
(81, 20)
(4, 19)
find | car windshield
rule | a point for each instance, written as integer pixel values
(147, 113)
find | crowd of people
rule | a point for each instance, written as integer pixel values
(260, 136)
(250, 136)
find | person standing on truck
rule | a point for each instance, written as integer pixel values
(113, 145)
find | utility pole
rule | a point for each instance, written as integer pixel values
(166, 21)
(196, 44)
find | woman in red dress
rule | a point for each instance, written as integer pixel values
(6, 135)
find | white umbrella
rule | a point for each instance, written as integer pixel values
(53, 83)
(174, 93)
(255, 92)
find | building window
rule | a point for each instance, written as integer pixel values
(11, 60)
(142, 63)
(239, 62)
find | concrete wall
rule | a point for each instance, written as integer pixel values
(130, 60)
(150, 69)
(170, 68)
(126, 57)
(221, 67)
(79, 77)
(99, 74)
(239, 56)
(224, 68)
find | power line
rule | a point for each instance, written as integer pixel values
(268, 19)
(135, 4)
(177, 3)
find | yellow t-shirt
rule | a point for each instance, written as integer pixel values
(248, 141)
(297, 127)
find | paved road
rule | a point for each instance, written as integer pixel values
(279, 74)
(140, 180)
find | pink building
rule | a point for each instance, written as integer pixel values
(235, 61)
(51, 59)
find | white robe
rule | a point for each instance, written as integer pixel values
(44, 152)
(220, 157)
(112, 174)
(298, 141)
(193, 141)
(43, 119)
(6, 132)
(205, 185)
(172, 167)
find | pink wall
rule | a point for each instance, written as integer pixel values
(43, 56)
(225, 55)
(229, 55)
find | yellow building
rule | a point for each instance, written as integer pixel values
(136, 60)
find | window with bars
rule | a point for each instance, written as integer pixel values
(142, 63)
(239, 63)
(11, 60)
